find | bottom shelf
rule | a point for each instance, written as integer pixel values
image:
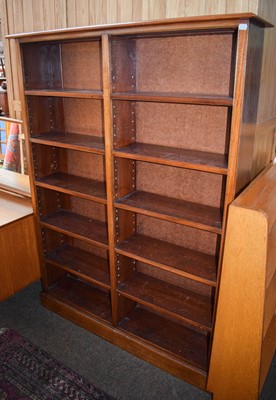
(82, 296)
(185, 369)
(190, 345)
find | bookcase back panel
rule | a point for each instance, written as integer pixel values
(195, 127)
(51, 274)
(83, 116)
(52, 239)
(88, 208)
(195, 186)
(67, 65)
(97, 251)
(46, 114)
(50, 159)
(179, 64)
(180, 235)
(81, 65)
(56, 114)
(45, 72)
(52, 202)
(86, 165)
(123, 54)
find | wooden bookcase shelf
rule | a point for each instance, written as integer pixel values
(72, 184)
(78, 226)
(171, 300)
(85, 94)
(70, 171)
(168, 335)
(81, 263)
(176, 97)
(72, 141)
(82, 296)
(179, 260)
(140, 137)
(179, 211)
(165, 155)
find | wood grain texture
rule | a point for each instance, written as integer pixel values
(19, 255)
(137, 345)
(71, 290)
(182, 212)
(239, 354)
(264, 145)
(168, 334)
(33, 15)
(77, 226)
(180, 304)
(28, 16)
(176, 259)
(249, 107)
(267, 102)
(14, 182)
(62, 225)
(81, 263)
(38, 15)
(13, 208)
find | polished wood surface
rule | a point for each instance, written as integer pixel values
(199, 160)
(168, 334)
(13, 207)
(167, 208)
(18, 249)
(76, 185)
(169, 299)
(139, 344)
(15, 182)
(265, 145)
(159, 226)
(81, 295)
(250, 108)
(78, 226)
(84, 264)
(24, 16)
(242, 351)
(198, 266)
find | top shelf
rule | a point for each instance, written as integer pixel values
(185, 98)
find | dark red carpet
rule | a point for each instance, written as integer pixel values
(29, 373)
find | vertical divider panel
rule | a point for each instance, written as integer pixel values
(29, 156)
(239, 81)
(109, 168)
(242, 43)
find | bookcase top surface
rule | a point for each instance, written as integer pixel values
(222, 21)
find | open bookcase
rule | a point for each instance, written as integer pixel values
(140, 135)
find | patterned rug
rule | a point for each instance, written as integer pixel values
(29, 373)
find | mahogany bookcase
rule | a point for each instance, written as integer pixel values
(140, 136)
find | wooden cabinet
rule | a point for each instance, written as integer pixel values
(18, 244)
(140, 136)
(247, 295)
